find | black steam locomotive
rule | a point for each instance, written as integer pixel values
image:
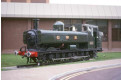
(57, 44)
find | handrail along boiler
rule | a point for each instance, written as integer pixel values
(57, 44)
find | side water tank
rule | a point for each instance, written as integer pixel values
(58, 26)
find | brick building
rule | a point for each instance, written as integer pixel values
(17, 17)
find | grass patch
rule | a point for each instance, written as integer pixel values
(107, 56)
(12, 60)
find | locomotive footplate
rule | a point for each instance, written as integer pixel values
(73, 58)
(63, 51)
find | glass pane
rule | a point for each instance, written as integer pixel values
(116, 30)
(103, 26)
(3, 1)
(102, 23)
(77, 24)
(18, 0)
(68, 23)
(93, 22)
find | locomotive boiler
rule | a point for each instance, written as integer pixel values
(58, 44)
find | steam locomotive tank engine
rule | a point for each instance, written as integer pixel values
(44, 45)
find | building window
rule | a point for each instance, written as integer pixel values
(116, 30)
(103, 26)
(39, 1)
(3, 1)
(77, 23)
(93, 22)
(18, 0)
(68, 23)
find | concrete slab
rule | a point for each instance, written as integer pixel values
(45, 73)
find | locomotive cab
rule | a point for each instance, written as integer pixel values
(95, 36)
(88, 28)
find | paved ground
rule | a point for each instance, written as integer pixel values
(45, 73)
(107, 73)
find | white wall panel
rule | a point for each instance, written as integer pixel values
(10, 10)
(81, 11)
(42, 10)
(118, 9)
(101, 12)
(61, 11)
(18, 10)
(88, 11)
(113, 12)
(54, 11)
(68, 11)
(25, 10)
(32, 8)
(107, 12)
(75, 11)
(3, 9)
(95, 12)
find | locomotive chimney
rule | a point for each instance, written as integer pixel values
(36, 23)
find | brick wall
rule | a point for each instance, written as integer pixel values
(12, 31)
